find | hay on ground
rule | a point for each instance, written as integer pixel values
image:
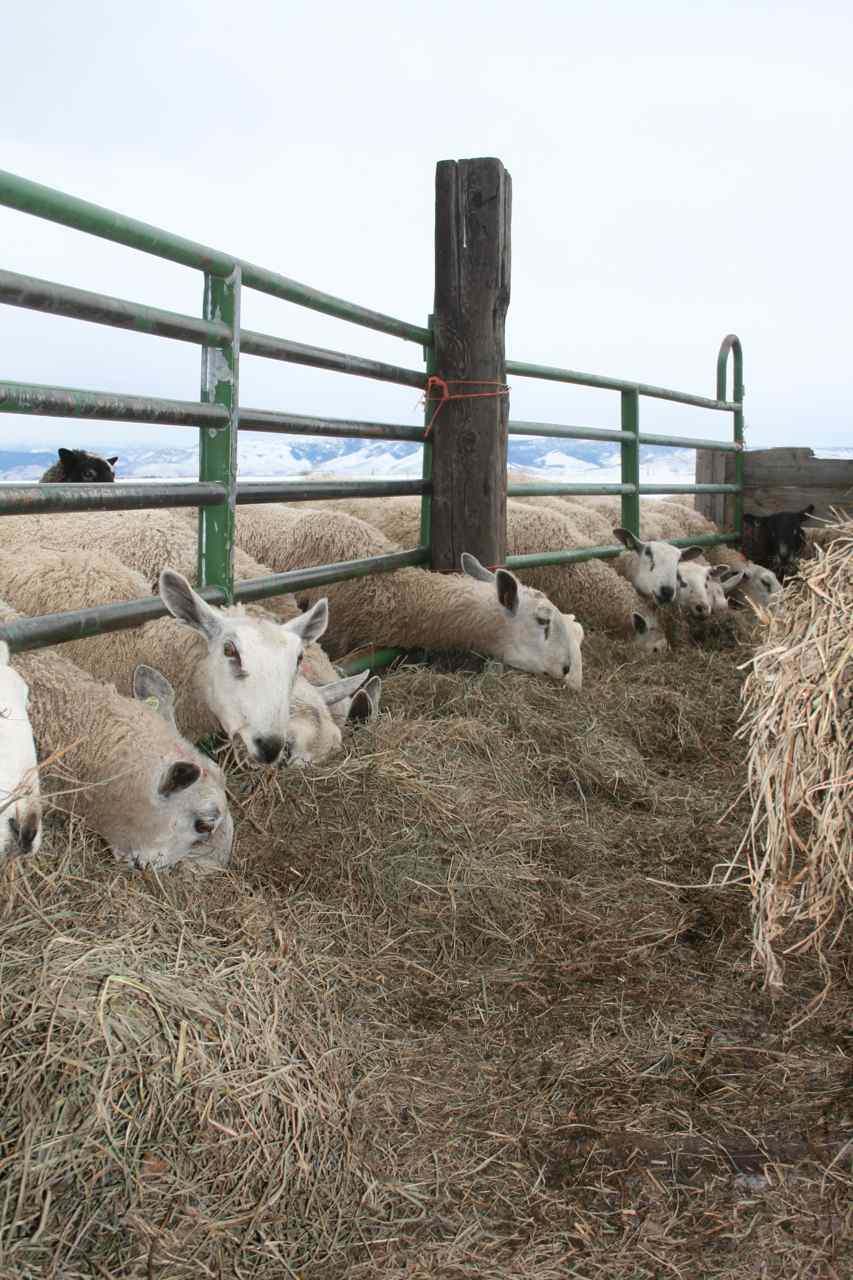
(798, 719)
(463, 1006)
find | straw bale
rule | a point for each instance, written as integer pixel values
(798, 721)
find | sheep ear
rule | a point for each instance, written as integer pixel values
(66, 455)
(337, 690)
(691, 553)
(113, 461)
(628, 539)
(729, 584)
(311, 624)
(804, 515)
(641, 625)
(472, 568)
(720, 570)
(152, 688)
(188, 607)
(507, 587)
(178, 777)
(365, 704)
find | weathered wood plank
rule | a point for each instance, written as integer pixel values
(472, 288)
(784, 479)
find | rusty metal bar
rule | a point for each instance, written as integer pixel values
(74, 402)
(555, 488)
(731, 343)
(322, 490)
(79, 304)
(56, 206)
(554, 431)
(217, 455)
(688, 488)
(262, 344)
(301, 425)
(29, 499)
(56, 628)
(551, 374)
(685, 442)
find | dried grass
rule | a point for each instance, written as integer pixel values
(463, 1006)
(798, 719)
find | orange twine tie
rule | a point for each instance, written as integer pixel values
(443, 385)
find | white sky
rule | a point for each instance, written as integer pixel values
(679, 171)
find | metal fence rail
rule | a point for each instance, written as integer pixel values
(218, 415)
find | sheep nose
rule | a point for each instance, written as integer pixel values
(269, 749)
(25, 834)
(665, 594)
(203, 828)
(567, 666)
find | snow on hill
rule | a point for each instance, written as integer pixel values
(262, 457)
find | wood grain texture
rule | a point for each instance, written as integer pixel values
(785, 479)
(472, 289)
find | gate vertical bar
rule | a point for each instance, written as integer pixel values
(732, 343)
(220, 368)
(426, 467)
(631, 461)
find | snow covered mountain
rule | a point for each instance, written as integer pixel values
(264, 456)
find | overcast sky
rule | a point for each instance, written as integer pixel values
(680, 171)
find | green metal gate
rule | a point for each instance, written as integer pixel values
(218, 415)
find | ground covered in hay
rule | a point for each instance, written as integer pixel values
(461, 1007)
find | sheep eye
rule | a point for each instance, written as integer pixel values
(299, 659)
(230, 650)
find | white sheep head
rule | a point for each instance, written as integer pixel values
(251, 663)
(716, 594)
(652, 567)
(751, 582)
(532, 634)
(20, 803)
(695, 593)
(169, 805)
(312, 734)
(649, 639)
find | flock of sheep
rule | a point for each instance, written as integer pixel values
(116, 715)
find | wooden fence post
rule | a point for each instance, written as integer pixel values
(472, 286)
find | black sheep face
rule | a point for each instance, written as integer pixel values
(776, 541)
(76, 466)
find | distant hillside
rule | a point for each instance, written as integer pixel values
(266, 456)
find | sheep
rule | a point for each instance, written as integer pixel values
(591, 590)
(312, 734)
(776, 541)
(483, 611)
(124, 768)
(148, 541)
(652, 567)
(76, 466)
(20, 796)
(698, 591)
(751, 582)
(236, 671)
